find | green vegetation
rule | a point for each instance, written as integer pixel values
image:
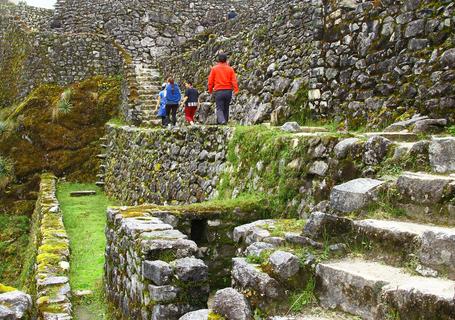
(285, 225)
(280, 161)
(4, 288)
(85, 220)
(299, 300)
(33, 141)
(13, 240)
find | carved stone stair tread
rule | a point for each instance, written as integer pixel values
(434, 245)
(101, 156)
(82, 193)
(354, 194)
(362, 288)
(425, 188)
(394, 136)
(100, 183)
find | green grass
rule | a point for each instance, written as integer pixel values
(85, 220)
(298, 300)
(13, 241)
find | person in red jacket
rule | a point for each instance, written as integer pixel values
(223, 81)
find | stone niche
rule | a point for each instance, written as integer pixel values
(162, 262)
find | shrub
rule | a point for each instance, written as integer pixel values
(63, 104)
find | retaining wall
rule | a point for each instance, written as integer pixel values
(161, 165)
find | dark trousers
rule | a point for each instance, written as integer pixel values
(223, 100)
(171, 110)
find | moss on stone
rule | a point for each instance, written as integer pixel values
(5, 288)
(214, 316)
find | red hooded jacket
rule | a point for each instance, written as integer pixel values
(222, 77)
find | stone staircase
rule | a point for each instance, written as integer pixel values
(148, 80)
(365, 264)
(143, 85)
(102, 167)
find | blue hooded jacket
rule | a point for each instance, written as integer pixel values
(173, 95)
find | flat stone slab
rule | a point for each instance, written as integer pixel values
(394, 136)
(361, 288)
(353, 195)
(82, 193)
(442, 154)
(424, 188)
(434, 245)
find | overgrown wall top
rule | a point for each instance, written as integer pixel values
(146, 29)
(382, 59)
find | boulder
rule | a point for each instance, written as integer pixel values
(429, 126)
(353, 195)
(202, 314)
(232, 305)
(448, 58)
(246, 276)
(375, 150)
(14, 305)
(342, 148)
(284, 264)
(442, 154)
(256, 248)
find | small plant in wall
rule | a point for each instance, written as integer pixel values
(63, 104)
(6, 172)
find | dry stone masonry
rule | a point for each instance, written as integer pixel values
(51, 271)
(151, 271)
(159, 165)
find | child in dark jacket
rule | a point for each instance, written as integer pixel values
(190, 102)
(173, 97)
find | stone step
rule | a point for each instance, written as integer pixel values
(100, 183)
(433, 245)
(394, 136)
(442, 154)
(372, 290)
(424, 188)
(82, 193)
(353, 195)
(104, 146)
(101, 156)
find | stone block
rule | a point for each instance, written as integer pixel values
(442, 154)
(246, 276)
(284, 264)
(232, 305)
(343, 147)
(437, 250)
(14, 305)
(320, 223)
(190, 269)
(159, 272)
(422, 188)
(365, 288)
(202, 314)
(165, 293)
(353, 195)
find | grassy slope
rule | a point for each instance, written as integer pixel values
(85, 220)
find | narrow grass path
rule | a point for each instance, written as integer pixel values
(85, 220)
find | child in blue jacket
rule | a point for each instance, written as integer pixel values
(173, 97)
(161, 104)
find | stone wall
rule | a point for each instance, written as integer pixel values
(295, 172)
(160, 165)
(382, 59)
(150, 269)
(50, 278)
(146, 29)
(31, 58)
(270, 50)
(32, 18)
(363, 62)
